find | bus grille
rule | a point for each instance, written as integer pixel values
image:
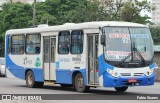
(125, 74)
(138, 74)
(129, 74)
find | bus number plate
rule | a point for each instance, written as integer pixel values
(132, 80)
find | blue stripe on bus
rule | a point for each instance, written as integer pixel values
(65, 76)
(152, 66)
(110, 81)
(102, 65)
(62, 75)
(19, 71)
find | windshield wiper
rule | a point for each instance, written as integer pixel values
(124, 59)
(137, 51)
(142, 58)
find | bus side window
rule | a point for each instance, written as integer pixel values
(77, 42)
(64, 42)
(17, 44)
(33, 43)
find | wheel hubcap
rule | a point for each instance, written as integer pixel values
(30, 79)
(80, 82)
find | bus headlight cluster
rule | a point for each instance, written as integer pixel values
(148, 73)
(112, 72)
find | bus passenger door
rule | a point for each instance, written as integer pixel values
(49, 58)
(52, 58)
(93, 59)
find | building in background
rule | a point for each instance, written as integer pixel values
(156, 12)
(157, 54)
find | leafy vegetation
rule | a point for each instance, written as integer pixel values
(156, 34)
(56, 12)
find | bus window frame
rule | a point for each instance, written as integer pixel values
(10, 44)
(71, 41)
(68, 42)
(33, 44)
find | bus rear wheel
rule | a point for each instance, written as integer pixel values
(79, 83)
(30, 81)
(66, 85)
(121, 89)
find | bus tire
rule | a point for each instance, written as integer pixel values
(66, 85)
(121, 89)
(30, 81)
(0, 74)
(79, 83)
(39, 84)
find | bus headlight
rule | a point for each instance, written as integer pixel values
(112, 72)
(148, 73)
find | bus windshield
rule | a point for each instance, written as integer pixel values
(130, 43)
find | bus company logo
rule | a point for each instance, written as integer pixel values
(38, 62)
(76, 59)
(63, 59)
(6, 97)
(26, 61)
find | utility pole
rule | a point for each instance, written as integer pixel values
(34, 13)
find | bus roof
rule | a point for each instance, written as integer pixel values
(73, 26)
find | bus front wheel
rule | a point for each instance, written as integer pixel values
(79, 83)
(30, 81)
(121, 89)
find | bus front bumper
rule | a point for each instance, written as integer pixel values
(110, 81)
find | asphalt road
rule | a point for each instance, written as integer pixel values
(17, 86)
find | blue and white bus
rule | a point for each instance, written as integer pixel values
(83, 55)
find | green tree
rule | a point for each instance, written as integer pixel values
(131, 12)
(55, 12)
(14, 16)
(155, 31)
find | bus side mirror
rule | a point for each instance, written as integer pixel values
(103, 40)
